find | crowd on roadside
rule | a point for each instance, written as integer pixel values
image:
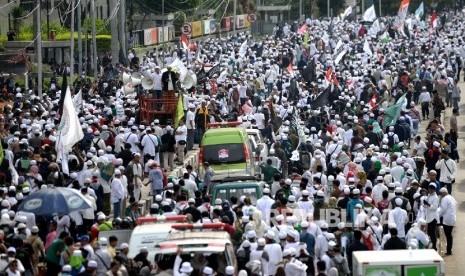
(352, 98)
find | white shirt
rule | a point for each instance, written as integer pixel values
(448, 170)
(400, 218)
(119, 142)
(432, 210)
(117, 190)
(448, 210)
(321, 245)
(190, 120)
(156, 81)
(377, 192)
(149, 142)
(63, 224)
(89, 212)
(295, 268)
(260, 119)
(397, 173)
(132, 139)
(420, 147)
(306, 207)
(275, 255)
(264, 205)
(183, 133)
(424, 97)
(257, 255)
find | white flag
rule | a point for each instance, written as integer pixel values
(347, 12)
(69, 131)
(243, 49)
(339, 57)
(370, 14)
(338, 45)
(367, 49)
(77, 100)
(375, 27)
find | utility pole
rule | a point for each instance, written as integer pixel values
(86, 33)
(163, 30)
(235, 11)
(71, 50)
(39, 51)
(329, 10)
(94, 40)
(79, 27)
(300, 10)
(363, 6)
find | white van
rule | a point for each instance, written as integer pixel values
(199, 243)
(397, 263)
(149, 233)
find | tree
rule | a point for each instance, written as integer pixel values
(17, 13)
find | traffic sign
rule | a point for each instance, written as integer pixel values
(186, 29)
(252, 17)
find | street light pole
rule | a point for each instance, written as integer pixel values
(163, 30)
(79, 29)
(363, 6)
(71, 50)
(329, 10)
(39, 51)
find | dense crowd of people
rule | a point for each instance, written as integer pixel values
(366, 106)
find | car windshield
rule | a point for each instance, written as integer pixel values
(238, 192)
(217, 261)
(224, 154)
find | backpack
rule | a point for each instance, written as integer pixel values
(390, 140)
(339, 266)
(129, 173)
(367, 241)
(95, 145)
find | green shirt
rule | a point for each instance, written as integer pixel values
(106, 226)
(54, 251)
(268, 172)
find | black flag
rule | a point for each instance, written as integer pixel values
(201, 75)
(322, 99)
(214, 71)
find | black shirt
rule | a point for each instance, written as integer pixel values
(395, 243)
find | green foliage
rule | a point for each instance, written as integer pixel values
(179, 19)
(101, 26)
(16, 13)
(103, 40)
